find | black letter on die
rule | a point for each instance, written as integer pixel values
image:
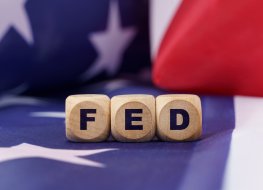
(129, 119)
(173, 119)
(84, 118)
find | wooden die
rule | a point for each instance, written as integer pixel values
(133, 118)
(179, 117)
(87, 118)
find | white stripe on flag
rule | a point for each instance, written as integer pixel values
(161, 14)
(245, 163)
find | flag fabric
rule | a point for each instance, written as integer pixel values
(208, 46)
(35, 154)
(52, 44)
(102, 47)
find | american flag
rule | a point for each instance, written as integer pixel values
(53, 48)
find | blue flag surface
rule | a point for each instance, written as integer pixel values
(35, 154)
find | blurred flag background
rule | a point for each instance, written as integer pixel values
(53, 48)
(53, 44)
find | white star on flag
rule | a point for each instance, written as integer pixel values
(13, 14)
(110, 45)
(32, 151)
(13, 100)
(49, 114)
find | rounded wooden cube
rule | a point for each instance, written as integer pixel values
(179, 117)
(133, 118)
(87, 118)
